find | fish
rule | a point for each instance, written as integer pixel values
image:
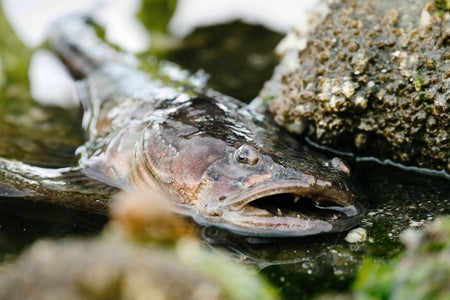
(212, 157)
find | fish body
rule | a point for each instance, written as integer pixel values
(210, 155)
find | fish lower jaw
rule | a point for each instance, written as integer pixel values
(264, 225)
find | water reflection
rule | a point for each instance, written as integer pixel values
(316, 255)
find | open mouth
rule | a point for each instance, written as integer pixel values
(294, 212)
(299, 206)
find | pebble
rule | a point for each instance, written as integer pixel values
(356, 235)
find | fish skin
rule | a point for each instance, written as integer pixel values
(209, 155)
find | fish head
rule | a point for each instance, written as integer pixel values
(241, 173)
(255, 191)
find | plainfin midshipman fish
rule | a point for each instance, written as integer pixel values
(209, 155)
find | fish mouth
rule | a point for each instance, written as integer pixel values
(298, 206)
(293, 211)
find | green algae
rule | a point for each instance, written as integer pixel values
(442, 6)
(14, 61)
(239, 282)
(24, 124)
(156, 14)
(15, 55)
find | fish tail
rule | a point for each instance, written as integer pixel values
(76, 42)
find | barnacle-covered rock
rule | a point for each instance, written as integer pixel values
(373, 79)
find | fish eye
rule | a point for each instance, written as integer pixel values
(246, 154)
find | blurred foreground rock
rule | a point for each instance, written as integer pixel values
(95, 269)
(374, 79)
(423, 272)
(134, 259)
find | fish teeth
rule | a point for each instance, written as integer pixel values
(296, 198)
(279, 212)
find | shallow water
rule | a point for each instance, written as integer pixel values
(238, 66)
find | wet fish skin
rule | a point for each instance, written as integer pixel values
(210, 155)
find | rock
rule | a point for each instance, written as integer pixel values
(144, 252)
(118, 269)
(99, 270)
(357, 235)
(374, 79)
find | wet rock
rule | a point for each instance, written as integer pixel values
(374, 79)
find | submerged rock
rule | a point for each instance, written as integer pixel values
(374, 79)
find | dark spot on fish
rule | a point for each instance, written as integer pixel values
(221, 198)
